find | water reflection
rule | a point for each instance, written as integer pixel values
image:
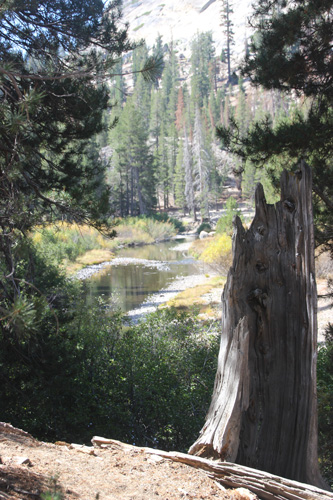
(131, 284)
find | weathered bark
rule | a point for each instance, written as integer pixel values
(263, 411)
(263, 484)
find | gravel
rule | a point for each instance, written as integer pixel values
(153, 301)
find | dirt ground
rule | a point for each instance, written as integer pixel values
(29, 468)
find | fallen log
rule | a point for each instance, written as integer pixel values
(265, 485)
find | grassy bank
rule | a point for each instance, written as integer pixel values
(73, 247)
(194, 298)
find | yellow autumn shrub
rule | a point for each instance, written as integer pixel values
(218, 253)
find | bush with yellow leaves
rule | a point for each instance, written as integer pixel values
(219, 253)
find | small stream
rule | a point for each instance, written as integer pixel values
(140, 273)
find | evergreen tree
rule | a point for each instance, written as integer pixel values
(164, 177)
(214, 111)
(139, 55)
(170, 84)
(180, 198)
(142, 88)
(292, 53)
(156, 117)
(168, 150)
(226, 14)
(203, 53)
(250, 178)
(118, 86)
(242, 114)
(180, 111)
(172, 156)
(134, 162)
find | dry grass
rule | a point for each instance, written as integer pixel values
(193, 297)
(198, 246)
(95, 256)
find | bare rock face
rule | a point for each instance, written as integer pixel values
(180, 21)
(263, 410)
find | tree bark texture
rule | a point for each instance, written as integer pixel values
(263, 412)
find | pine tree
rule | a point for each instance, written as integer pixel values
(214, 111)
(203, 53)
(226, 14)
(242, 114)
(134, 163)
(180, 198)
(156, 117)
(163, 167)
(55, 58)
(142, 95)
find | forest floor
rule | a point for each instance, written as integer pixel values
(30, 469)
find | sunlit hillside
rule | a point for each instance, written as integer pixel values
(181, 20)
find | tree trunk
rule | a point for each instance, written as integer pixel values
(142, 207)
(263, 411)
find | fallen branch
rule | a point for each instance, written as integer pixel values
(266, 486)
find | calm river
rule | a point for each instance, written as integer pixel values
(139, 272)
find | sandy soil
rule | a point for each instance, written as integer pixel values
(118, 472)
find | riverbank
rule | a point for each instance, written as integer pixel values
(213, 298)
(195, 288)
(179, 285)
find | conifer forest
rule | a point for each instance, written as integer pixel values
(107, 144)
(164, 152)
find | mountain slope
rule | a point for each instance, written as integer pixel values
(181, 20)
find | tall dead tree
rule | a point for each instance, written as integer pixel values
(263, 412)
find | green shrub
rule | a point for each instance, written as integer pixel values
(172, 361)
(224, 224)
(205, 226)
(164, 217)
(63, 242)
(144, 229)
(87, 374)
(325, 406)
(159, 230)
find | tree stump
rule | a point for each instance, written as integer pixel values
(263, 412)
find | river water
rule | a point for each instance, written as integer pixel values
(139, 273)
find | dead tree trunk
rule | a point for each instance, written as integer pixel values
(263, 412)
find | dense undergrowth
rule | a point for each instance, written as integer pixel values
(148, 384)
(68, 371)
(325, 406)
